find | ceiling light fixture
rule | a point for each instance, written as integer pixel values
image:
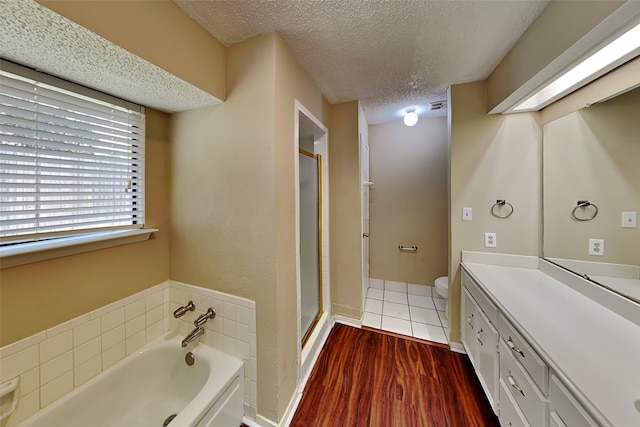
(410, 118)
(619, 51)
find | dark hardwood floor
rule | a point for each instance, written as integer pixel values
(365, 378)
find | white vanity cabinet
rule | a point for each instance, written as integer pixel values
(480, 339)
(517, 384)
(566, 411)
(520, 383)
(523, 375)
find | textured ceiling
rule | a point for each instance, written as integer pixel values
(33, 35)
(390, 54)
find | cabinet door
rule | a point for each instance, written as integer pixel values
(480, 339)
(487, 356)
(469, 322)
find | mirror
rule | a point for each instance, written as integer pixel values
(591, 192)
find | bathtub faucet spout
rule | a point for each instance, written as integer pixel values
(193, 335)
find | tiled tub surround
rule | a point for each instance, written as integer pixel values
(233, 330)
(407, 309)
(52, 363)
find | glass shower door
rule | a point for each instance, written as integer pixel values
(310, 226)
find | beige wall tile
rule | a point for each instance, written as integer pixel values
(113, 355)
(86, 332)
(55, 346)
(86, 351)
(55, 389)
(87, 370)
(55, 367)
(18, 363)
(112, 319)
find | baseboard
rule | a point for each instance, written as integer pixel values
(291, 408)
(349, 321)
(262, 422)
(251, 423)
(316, 344)
(323, 334)
(295, 399)
(457, 347)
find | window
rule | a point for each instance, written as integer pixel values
(71, 159)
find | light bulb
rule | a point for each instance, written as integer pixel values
(411, 118)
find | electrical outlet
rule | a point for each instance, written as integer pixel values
(467, 214)
(596, 247)
(629, 219)
(490, 240)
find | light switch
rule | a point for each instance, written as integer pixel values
(467, 214)
(629, 220)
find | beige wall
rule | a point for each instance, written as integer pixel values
(592, 154)
(233, 206)
(492, 157)
(155, 30)
(345, 215)
(559, 26)
(409, 200)
(291, 84)
(37, 296)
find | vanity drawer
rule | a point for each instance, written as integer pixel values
(566, 411)
(524, 391)
(524, 354)
(510, 414)
(480, 298)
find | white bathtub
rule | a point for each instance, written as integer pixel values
(150, 385)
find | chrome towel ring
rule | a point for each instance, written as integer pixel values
(498, 207)
(583, 205)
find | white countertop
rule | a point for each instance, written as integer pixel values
(594, 348)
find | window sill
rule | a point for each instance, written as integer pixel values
(26, 253)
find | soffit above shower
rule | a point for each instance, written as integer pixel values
(388, 54)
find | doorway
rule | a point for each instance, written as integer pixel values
(366, 187)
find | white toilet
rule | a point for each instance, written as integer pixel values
(442, 288)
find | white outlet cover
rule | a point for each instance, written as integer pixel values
(596, 247)
(629, 220)
(467, 214)
(490, 240)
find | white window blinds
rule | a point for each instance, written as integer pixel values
(68, 163)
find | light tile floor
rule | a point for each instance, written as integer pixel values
(406, 309)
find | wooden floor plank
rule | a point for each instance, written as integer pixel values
(367, 379)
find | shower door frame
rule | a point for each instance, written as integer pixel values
(307, 356)
(306, 334)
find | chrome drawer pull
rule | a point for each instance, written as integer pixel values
(478, 336)
(513, 347)
(514, 384)
(469, 320)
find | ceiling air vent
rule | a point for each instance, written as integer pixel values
(438, 105)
